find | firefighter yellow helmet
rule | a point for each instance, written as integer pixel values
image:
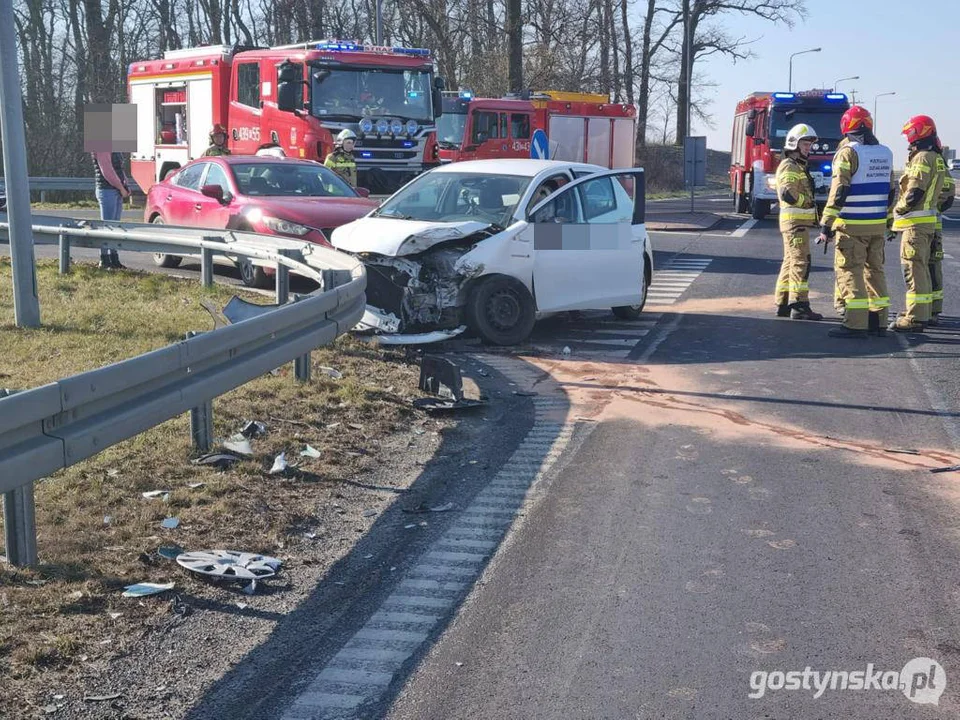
(345, 134)
(798, 133)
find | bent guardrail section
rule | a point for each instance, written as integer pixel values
(57, 425)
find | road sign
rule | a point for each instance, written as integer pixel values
(695, 161)
(539, 146)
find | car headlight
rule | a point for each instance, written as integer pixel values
(284, 227)
(771, 182)
(382, 126)
(412, 127)
(366, 125)
(396, 127)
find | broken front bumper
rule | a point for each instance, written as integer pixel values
(381, 327)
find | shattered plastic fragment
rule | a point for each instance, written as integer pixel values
(310, 452)
(566, 350)
(229, 564)
(251, 588)
(253, 429)
(171, 523)
(443, 508)
(219, 460)
(154, 494)
(145, 589)
(949, 468)
(330, 372)
(410, 526)
(279, 464)
(107, 519)
(238, 444)
(115, 615)
(170, 552)
(196, 485)
(524, 393)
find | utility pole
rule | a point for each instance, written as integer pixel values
(379, 22)
(26, 304)
(515, 45)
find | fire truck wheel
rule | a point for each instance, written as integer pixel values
(161, 259)
(632, 312)
(759, 209)
(500, 310)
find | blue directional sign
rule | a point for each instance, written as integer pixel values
(539, 146)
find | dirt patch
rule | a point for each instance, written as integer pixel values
(65, 629)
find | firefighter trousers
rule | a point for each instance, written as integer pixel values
(860, 279)
(936, 274)
(793, 282)
(915, 259)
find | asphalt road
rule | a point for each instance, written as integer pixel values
(733, 511)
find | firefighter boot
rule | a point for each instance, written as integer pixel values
(903, 324)
(783, 310)
(803, 311)
(847, 333)
(873, 325)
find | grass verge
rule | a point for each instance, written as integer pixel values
(97, 533)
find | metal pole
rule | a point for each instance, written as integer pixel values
(301, 368)
(20, 526)
(206, 266)
(283, 281)
(379, 22)
(201, 420)
(64, 253)
(26, 303)
(790, 76)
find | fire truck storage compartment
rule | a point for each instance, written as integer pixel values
(567, 138)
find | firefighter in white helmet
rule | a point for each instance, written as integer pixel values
(341, 160)
(798, 213)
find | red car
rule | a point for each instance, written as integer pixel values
(294, 198)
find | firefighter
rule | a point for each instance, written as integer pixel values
(341, 160)
(798, 213)
(915, 218)
(856, 216)
(218, 141)
(944, 203)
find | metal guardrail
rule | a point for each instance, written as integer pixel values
(57, 425)
(41, 184)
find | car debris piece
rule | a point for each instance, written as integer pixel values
(443, 508)
(146, 589)
(279, 464)
(170, 523)
(369, 513)
(254, 429)
(154, 494)
(440, 376)
(525, 393)
(444, 405)
(229, 564)
(219, 320)
(169, 552)
(310, 452)
(424, 508)
(330, 372)
(196, 485)
(251, 588)
(102, 698)
(238, 444)
(949, 468)
(566, 350)
(238, 310)
(902, 451)
(218, 460)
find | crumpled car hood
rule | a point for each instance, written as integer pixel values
(393, 237)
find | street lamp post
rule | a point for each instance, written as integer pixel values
(875, 98)
(837, 82)
(802, 52)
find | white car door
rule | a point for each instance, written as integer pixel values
(588, 240)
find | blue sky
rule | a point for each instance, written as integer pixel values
(866, 39)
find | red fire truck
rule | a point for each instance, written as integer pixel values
(760, 127)
(297, 96)
(580, 127)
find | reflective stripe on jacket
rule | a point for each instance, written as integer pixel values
(925, 171)
(794, 179)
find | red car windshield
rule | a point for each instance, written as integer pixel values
(288, 179)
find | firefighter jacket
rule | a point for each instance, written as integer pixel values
(947, 191)
(860, 200)
(923, 178)
(215, 150)
(343, 164)
(798, 208)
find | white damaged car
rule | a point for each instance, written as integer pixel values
(491, 245)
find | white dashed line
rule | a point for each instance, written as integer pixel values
(743, 229)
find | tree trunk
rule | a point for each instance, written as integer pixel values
(627, 51)
(683, 90)
(643, 95)
(515, 42)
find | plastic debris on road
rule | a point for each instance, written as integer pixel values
(238, 444)
(949, 468)
(330, 372)
(310, 452)
(567, 350)
(169, 552)
(145, 589)
(279, 464)
(170, 523)
(229, 564)
(254, 429)
(154, 494)
(218, 459)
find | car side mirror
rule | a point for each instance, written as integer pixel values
(362, 191)
(752, 115)
(213, 191)
(751, 129)
(289, 86)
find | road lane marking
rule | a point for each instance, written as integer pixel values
(744, 229)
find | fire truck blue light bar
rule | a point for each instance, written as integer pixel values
(835, 97)
(784, 96)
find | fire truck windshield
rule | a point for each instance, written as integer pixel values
(826, 121)
(450, 127)
(352, 93)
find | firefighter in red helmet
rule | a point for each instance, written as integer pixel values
(857, 216)
(915, 218)
(218, 141)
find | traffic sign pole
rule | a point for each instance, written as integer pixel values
(26, 304)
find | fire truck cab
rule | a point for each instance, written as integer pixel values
(760, 128)
(297, 96)
(579, 127)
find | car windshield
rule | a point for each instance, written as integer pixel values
(285, 178)
(450, 127)
(349, 93)
(825, 122)
(457, 197)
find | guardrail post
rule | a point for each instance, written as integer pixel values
(64, 253)
(20, 526)
(302, 367)
(283, 281)
(201, 421)
(206, 267)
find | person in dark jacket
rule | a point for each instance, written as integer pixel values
(111, 183)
